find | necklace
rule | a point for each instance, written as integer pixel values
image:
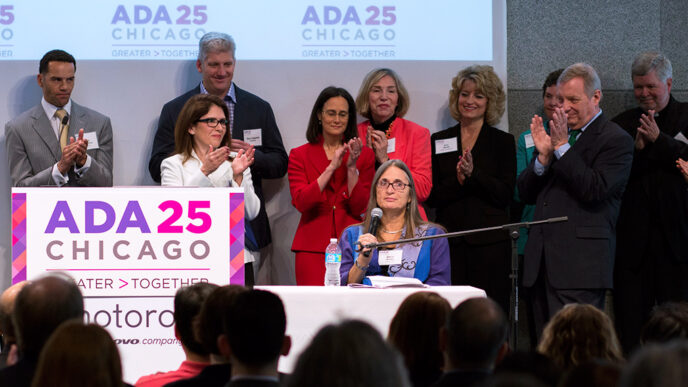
(392, 232)
(389, 132)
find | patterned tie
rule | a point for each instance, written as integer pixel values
(64, 128)
(230, 108)
(573, 135)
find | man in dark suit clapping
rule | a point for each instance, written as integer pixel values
(580, 171)
(652, 248)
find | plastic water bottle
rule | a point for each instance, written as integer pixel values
(333, 260)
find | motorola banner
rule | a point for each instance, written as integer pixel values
(263, 29)
(129, 250)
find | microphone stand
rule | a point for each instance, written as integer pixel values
(512, 229)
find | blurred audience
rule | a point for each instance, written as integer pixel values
(254, 338)
(579, 333)
(79, 355)
(473, 340)
(513, 380)
(8, 339)
(663, 365)
(187, 305)
(667, 321)
(40, 307)
(208, 328)
(414, 332)
(595, 373)
(530, 363)
(350, 353)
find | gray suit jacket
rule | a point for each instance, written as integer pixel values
(33, 148)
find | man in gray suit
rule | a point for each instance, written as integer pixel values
(58, 142)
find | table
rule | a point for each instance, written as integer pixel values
(309, 308)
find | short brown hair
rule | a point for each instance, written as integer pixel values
(195, 108)
(487, 83)
(551, 80)
(373, 77)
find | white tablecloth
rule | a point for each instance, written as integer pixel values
(309, 308)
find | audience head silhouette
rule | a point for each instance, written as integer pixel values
(351, 353)
(579, 333)
(79, 355)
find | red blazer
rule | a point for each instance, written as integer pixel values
(326, 214)
(412, 146)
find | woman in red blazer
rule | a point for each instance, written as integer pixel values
(329, 180)
(383, 100)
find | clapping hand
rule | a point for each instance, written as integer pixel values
(82, 147)
(464, 168)
(648, 127)
(682, 165)
(542, 141)
(213, 159)
(243, 160)
(338, 156)
(559, 128)
(354, 145)
(377, 140)
(73, 153)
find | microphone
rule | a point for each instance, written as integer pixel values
(63, 125)
(375, 216)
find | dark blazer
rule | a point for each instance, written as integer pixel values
(656, 191)
(20, 374)
(253, 383)
(214, 375)
(466, 378)
(483, 200)
(33, 148)
(250, 112)
(586, 185)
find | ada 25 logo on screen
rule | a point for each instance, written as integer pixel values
(142, 22)
(330, 23)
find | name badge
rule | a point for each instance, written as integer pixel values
(92, 139)
(446, 145)
(389, 257)
(391, 145)
(529, 140)
(253, 136)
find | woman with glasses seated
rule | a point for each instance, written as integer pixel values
(394, 193)
(201, 152)
(329, 180)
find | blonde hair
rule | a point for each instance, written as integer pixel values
(373, 77)
(488, 84)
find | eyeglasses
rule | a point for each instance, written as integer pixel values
(212, 122)
(398, 185)
(331, 114)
